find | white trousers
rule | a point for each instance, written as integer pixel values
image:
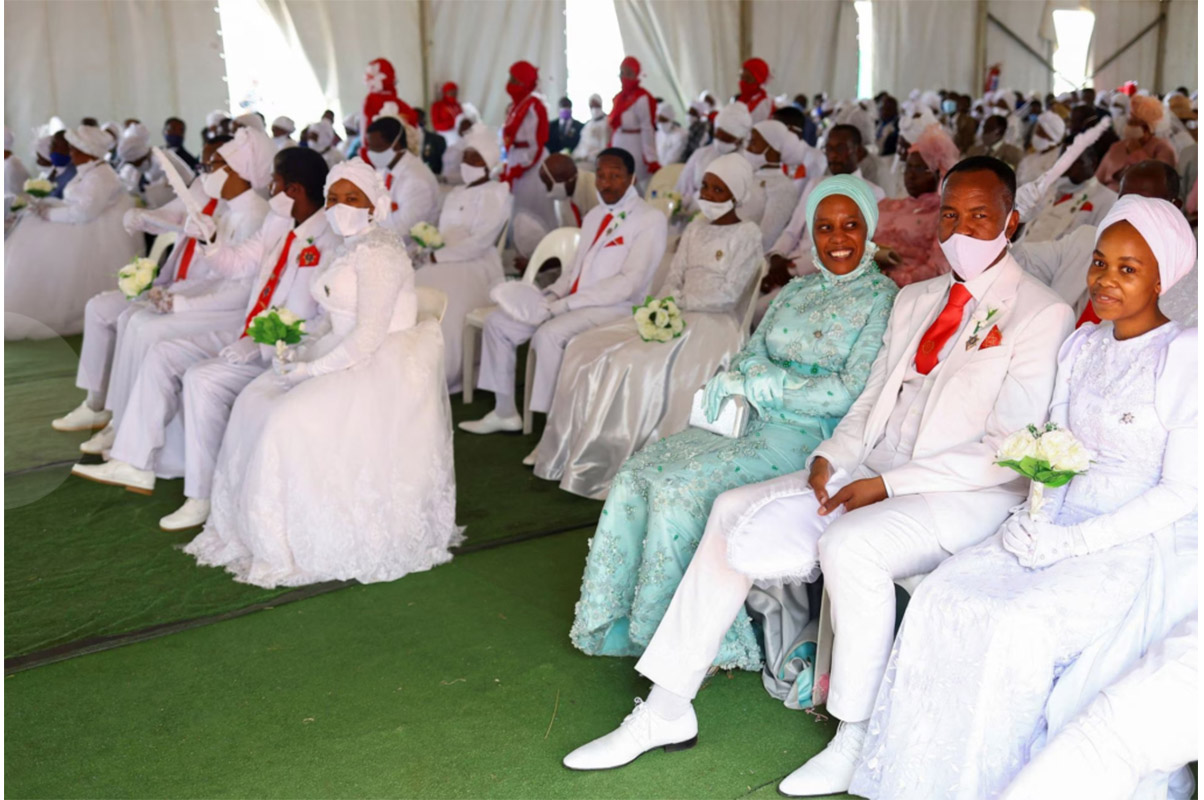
(210, 389)
(155, 398)
(1145, 723)
(100, 338)
(503, 334)
(773, 531)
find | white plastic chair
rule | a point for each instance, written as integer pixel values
(161, 243)
(432, 303)
(663, 181)
(753, 294)
(501, 239)
(561, 244)
(825, 637)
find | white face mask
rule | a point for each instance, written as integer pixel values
(755, 160)
(596, 112)
(1134, 131)
(281, 204)
(213, 182)
(714, 211)
(723, 148)
(470, 174)
(348, 220)
(380, 160)
(970, 257)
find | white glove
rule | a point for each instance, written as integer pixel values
(160, 299)
(558, 307)
(242, 351)
(132, 221)
(1028, 200)
(202, 228)
(290, 374)
(1037, 543)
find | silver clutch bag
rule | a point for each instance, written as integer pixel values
(732, 419)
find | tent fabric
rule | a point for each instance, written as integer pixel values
(811, 46)
(924, 44)
(74, 58)
(1032, 23)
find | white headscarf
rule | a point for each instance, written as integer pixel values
(134, 142)
(667, 111)
(325, 132)
(912, 127)
(1053, 125)
(734, 170)
(250, 120)
(215, 118)
(42, 146)
(369, 182)
(285, 124)
(250, 153)
(735, 119)
(90, 140)
(776, 133)
(483, 139)
(1164, 229)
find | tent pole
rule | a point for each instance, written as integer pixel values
(425, 51)
(980, 49)
(745, 30)
(1160, 57)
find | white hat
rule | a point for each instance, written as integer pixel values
(90, 140)
(42, 146)
(775, 133)
(735, 119)
(484, 140)
(250, 120)
(250, 153)
(285, 124)
(325, 132)
(214, 118)
(134, 142)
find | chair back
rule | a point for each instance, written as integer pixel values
(663, 181)
(432, 303)
(662, 204)
(750, 296)
(560, 243)
(501, 239)
(159, 248)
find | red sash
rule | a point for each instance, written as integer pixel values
(269, 286)
(190, 247)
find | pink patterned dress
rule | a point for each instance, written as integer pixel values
(909, 226)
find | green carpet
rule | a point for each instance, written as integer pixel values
(442, 684)
(84, 560)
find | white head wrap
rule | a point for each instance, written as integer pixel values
(369, 182)
(134, 142)
(113, 129)
(250, 120)
(483, 139)
(250, 153)
(8, 138)
(90, 140)
(912, 127)
(595, 99)
(931, 99)
(735, 119)
(42, 146)
(325, 132)
(351, 122)
(1053, 125)
(735, 172)
(1164, 229)
(214, 118)
(776, 133)
(468, 111)
(285, 124)
(667, 111)
(699, 108)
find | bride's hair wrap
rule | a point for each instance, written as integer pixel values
(851, 187)
(736, 173)
(369, 182)
(1164, 229)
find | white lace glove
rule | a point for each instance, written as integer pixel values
(160, 299)
(132, 221)
(1028, 200)
(291, 373)
(202, 228)
(1037, 543)
(243, 351)
(558, 307)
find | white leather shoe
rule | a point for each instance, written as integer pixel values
(82, 419)
(192, 514)
(529, 461)
(118, 473)
(100, 441)
(831, 770)
(492, 423)
(642, 730)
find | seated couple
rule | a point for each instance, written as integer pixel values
(906, 482)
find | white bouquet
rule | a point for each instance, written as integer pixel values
(1048, 456)
(277, 327)
(658, 320)
(38, 187)
(19, 203)
(136, 277)
(426, 236)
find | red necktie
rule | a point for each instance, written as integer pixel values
(944, 327)
(605, 221)
(1063, 199)
(269, 286)
(190, 247)
(576, 212)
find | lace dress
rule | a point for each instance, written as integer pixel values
(822, 333)
(348, 474)
(992, 657)
(616, 392)
(909, 225)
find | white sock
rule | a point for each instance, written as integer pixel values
(665, 704)
(504, 406)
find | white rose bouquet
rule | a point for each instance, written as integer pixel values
(277, 327)
(136, 277)
(38, 187)
(19, 203)
(1048, 456)
(426, 236)
(658, 320)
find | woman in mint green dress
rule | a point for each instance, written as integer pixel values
(801, 370)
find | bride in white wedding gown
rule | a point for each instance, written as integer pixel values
(337, 464)
(1007, 641)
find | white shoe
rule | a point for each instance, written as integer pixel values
(642, 730)
(192, 514)
(100, 442)
(118, 473)
(492, 423)
(529, 461)
(830, 771)
(82, 419)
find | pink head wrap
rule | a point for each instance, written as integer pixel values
(937, 149)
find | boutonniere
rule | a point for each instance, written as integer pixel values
(622, 215)
(980, 319)
(614, 243)
(310, 256)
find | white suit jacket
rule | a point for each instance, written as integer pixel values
(981, 396)
(617, 267)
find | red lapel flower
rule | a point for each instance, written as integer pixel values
(1086, 207)
(615, 242)
(993, 339)
(309, 257)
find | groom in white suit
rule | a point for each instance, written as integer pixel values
(906, 480)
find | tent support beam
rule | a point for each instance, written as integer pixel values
(980, 48)
(425, 51)
(1160, 53)
(1016, 38)
(1160, 21)
(745, 30)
